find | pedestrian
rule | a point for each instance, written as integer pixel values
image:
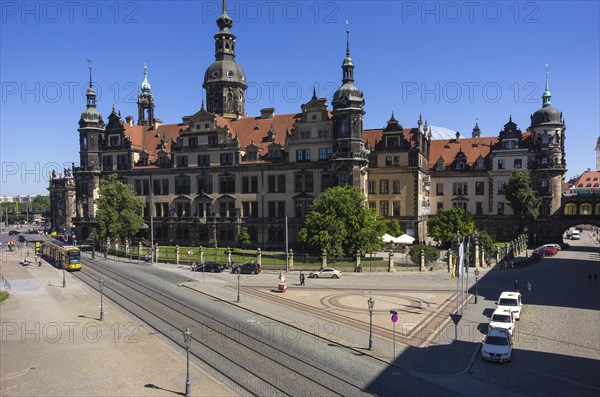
(516, 283)
(301, 278)
(529, 288)
(39, 263)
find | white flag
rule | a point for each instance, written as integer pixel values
(461, 258)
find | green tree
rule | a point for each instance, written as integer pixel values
(40, 203)
(393, 227)
(431, 253)
(444, 226)
(244, 237)
(119, 213)
(523, 200)
(488, 244)
(339, 222)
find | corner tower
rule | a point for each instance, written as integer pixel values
(225, 80)
(547, 153)
(349, 159)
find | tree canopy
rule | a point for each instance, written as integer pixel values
(444, 226)
(339, 222)
(119, 213)
(523, 200)
(40, 203)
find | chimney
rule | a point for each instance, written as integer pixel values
(457, 137)
(129, 120)
(267, 113)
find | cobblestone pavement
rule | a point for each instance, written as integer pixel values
(557, 341)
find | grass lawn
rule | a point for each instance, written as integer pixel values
(3, 296)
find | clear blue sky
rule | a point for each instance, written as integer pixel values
(451, 61)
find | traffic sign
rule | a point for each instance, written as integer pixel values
(394, 316)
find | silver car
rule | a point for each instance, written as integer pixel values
(328, 272)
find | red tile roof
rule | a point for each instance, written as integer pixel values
(447, 149)
(588, 179)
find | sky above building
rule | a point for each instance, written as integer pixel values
(452, 62)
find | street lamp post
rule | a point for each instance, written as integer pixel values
(239, 271)
(187, 339)
(476, 278)
(457, 270)
(371, 303)
(101, 299)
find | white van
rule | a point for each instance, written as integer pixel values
(575, 235)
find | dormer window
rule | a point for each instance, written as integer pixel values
(479, 164)
(114, 140)
(544, 162)
(440, 165)
(460, 166)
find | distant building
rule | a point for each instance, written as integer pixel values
(217, 171)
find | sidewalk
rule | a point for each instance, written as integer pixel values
(53, 344)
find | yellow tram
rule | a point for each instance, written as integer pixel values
(65, 256)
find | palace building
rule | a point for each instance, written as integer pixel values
(217, 171)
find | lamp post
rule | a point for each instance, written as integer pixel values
(101, 299)
(457, 269)
(371, 303)
(187, 339)
(216, 248)
(476, 278)
(239, 271)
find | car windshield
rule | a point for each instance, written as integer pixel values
(508, 302)
(501, 318)
(496, 340)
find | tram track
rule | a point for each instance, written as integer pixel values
(250, 365)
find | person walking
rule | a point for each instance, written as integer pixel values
(529, 288)
(302, 278)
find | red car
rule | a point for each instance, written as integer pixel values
(545, 251)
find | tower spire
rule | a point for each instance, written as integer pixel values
(546, 96)
(145, 84)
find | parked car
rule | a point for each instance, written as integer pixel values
(497, 345)
(246, 268)
(545, 251)
(565, 246)
(502, 318)
(555, 246)
(512, 301)
(327, 272)
(12, 232)
(575, 235)
(212, 267)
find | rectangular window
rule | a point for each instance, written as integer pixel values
(440, 206)
(372, 205)
(203, 160)
(383, 208)
(500, 208)
(227, 184)
(302, 207)
(226, 158)
(462, 206)
(389, 160)
(303, 155)
(160, 187)
(245, 184)
(501, 164)
(396, 186)
(276, 209)
(114, 141)
(193, 142)
(205, 184)
(325, 153)
(325, 181)
(459, 189)
(501, 185)
(123, 162)
(183, 209)
(156, 187)
(107, 163)
(479, 188)
(518, 164)
(182, 161)
(439, 189)
(344, 180)
(478, 208)
(250, 209)
(396, 208)
(182, 185)
(213, 139)
(384, 186)
(372, 187)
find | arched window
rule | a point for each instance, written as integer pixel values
(597, 212)
(585, 209)
(570, 209)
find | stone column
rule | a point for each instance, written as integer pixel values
(107, 247)
(291, 259)
(258, 257)
(139, 251)
(358, 268)
(127, 248)
(324, 259)
(391, 262)
(422, 260)
(156, 252)
(450, 260)
(177, 254)
(201, 255)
